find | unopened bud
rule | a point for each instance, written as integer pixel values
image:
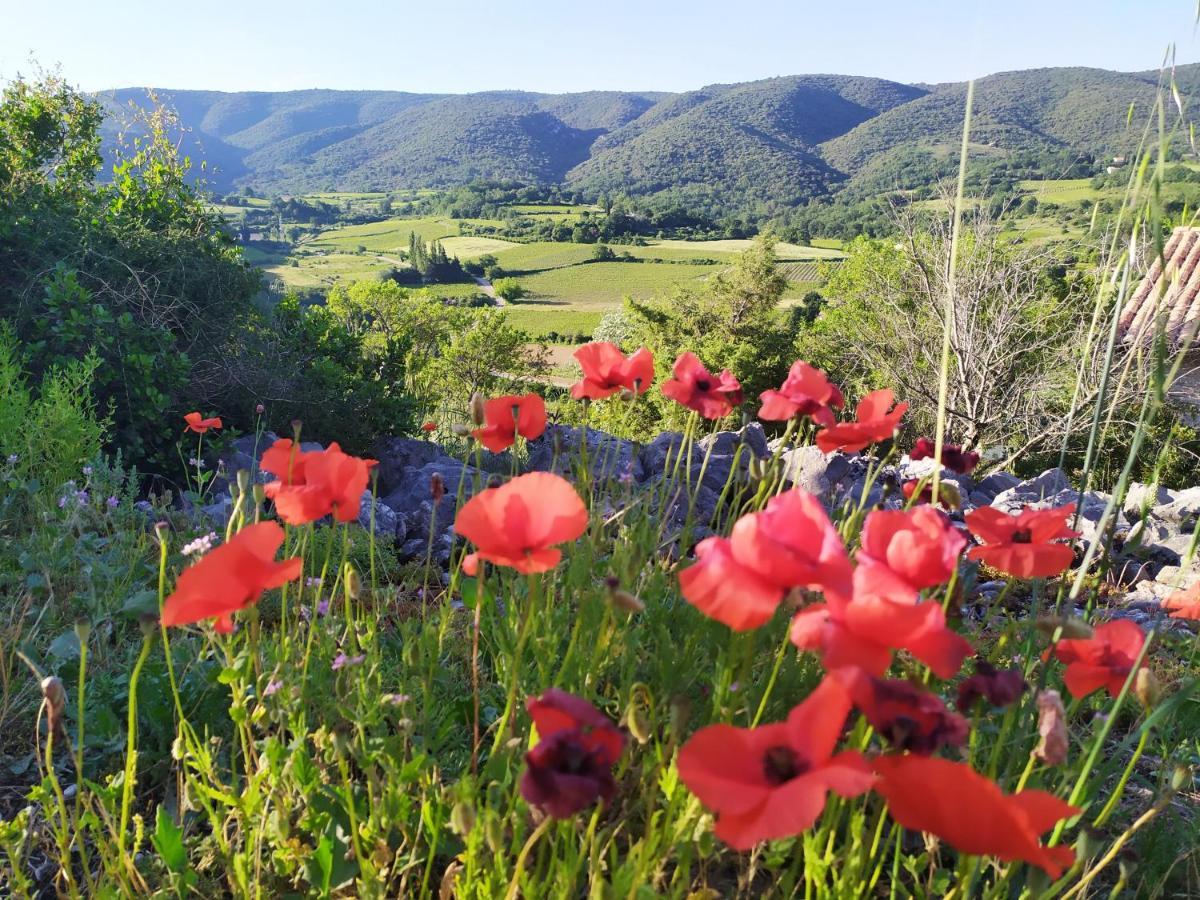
(1146, 688)
(493, 834)
(627, 395)
(55, 696)
(1090, 842)
(1073, 629)
(622, 599)
(83, 629)
(161, 531)
(437, 487)
(260, 492)
(243, 480)
(296, 424)
(950, 495)
(638, 724)
(681, 711)
(462, 818)
(478, 414)
(353, 582)
(148, 622)
(259, 409)
(1052, 728)
(1181, 777)
(460, 429)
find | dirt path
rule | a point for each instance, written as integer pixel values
(486, 287)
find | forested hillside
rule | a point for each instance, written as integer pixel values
(759, 146)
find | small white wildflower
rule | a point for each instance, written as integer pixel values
(200, 545)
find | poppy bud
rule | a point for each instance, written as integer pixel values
(296, 423)
(622, 599)
(755, 469)
(1073, 629)
(460, 429)
(1090, 842)
(260, 493)
(243, 480)
(1180, 777)
(83, 629)
(437, 487)
(259, 409)
(627, 395)
(1052, 726)
(493, 834)
(1146, 688)
(148, 622)
(462, 818)
(55, 696)
(477, 409)
(161, 530)
(637, 723)
(353, 582)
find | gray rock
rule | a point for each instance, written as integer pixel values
(726, 443)
(1147, 496)
(811, 470)
(218, 510)
(659, 453)
(1035, 491)
(388, 523)
(986, 489)
(398, 454)
(413, 499)
(559, 450)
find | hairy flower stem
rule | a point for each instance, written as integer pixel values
(527, 617)
(131, 754)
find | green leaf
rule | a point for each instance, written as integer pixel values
(323, 856)
(168, 841)
(141, 603)
(65, 646)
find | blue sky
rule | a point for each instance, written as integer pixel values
(451, 46)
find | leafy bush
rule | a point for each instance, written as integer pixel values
(509, 289)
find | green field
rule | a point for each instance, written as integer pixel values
(1061, 190)
(567, 292)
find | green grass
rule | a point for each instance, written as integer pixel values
(606, 284)
(469, 246)
(737, 245)
(326, 269)
(542, 255)
(1061, 190)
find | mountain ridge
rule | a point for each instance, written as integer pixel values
(762, 145)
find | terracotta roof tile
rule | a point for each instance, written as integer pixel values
(1171, 291)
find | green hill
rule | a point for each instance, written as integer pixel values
(754, 147)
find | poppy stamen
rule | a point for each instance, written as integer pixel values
(781, 764)
(1024, 536)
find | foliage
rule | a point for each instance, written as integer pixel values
(508, 288)
(136, 270)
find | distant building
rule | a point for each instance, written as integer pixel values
(1171, 291)
(1118, 160)
(1169, 297)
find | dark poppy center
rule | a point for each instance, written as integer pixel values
(704, 384)
(1025, 536)
(781, 764)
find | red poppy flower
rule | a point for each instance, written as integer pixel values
(713, 396)
(791, 543)
(770, 782)
(429, 427)
(864, 631)
(805, 392)
(1102, 661)
(1000, 687)
(920, 546)
(971, 813)
(954, 457)
(231, 577)
(506, 417)
(316, 483)
(906, 715)
(200, 425)
(607, 370)
(873, 423)
(1023, 545)
(1184, 604)
(570, 767)
(518, 523)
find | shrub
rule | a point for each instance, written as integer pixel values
(509, 289)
